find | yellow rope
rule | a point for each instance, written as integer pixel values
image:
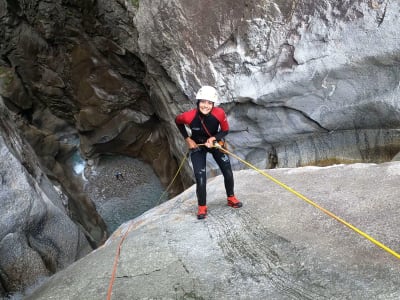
(173, 179)
(113, 273)
(395, 254)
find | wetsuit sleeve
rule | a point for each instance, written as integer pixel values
(182, 120)
(221, 134)
(223, 123)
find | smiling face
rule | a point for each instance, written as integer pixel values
(205, 106)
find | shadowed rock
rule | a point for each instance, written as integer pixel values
(37, 236)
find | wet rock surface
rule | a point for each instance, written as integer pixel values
(276, 246)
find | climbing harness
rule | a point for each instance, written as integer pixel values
(365, 235)
(217, 145)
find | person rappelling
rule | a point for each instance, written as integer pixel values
(208, 124)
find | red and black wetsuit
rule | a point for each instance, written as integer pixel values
(217, 126)
(215, 122)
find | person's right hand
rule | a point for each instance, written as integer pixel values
(190, 143)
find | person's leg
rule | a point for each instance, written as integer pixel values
(224, 164)
(198, 158)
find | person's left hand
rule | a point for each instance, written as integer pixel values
(210, 142)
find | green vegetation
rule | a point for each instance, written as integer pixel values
(135, 3)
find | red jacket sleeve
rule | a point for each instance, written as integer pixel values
(184, 119)
(219, 113)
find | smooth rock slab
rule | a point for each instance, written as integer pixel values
(276, 247)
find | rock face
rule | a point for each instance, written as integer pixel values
(37, 237)
(77, 63)
(275, 247)
(304, 83)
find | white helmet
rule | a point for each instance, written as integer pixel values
(208, 93)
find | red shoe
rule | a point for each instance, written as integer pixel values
(234, 202)
(202, 212)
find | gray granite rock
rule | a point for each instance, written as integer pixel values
(277, 246)
(304, 83)
(119, 72)
(288, 72)
(37, 236)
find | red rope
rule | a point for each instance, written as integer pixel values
(117, 255)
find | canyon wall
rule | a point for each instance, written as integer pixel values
(303, 83)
